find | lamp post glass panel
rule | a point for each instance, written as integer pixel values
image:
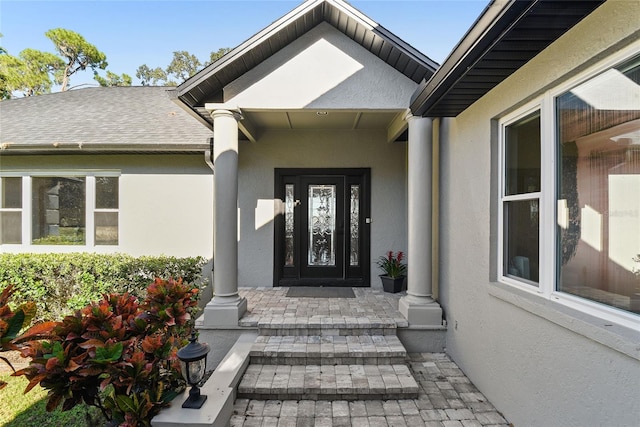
(193, 360)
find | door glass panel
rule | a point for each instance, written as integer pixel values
(289, 204)
(354, 258)
(322, 225)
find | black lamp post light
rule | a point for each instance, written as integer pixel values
(193, 361)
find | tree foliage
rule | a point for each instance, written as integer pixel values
(113, 79)
(151, 76)
(78, 54)
(182, 66)
(36, 68)
(34, 72)
(217, 55)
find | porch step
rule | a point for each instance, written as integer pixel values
(328, 382)
(326, 326)
(328, 350)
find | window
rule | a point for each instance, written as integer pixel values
(598, 134)
(106, 211)
(58, 210)
(521, 198)
(43, 209)
(11, 210)
(570, 194)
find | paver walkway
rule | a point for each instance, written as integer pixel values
(445, 396)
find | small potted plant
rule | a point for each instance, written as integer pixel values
(394, 272)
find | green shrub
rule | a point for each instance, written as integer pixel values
(118, 354)
(61, 283)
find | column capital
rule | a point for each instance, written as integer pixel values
(221, 112)
(410, 117)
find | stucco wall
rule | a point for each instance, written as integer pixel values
(322, 69)
(317, 149)
(536, 371)
(166, 201)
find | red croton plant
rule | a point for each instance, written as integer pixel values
(13, 321)
(118, 354)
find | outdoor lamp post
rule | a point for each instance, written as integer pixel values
(193, 361)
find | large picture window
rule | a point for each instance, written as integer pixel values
(598, 133)
(58, 210)
(570, 194)
(69, 209)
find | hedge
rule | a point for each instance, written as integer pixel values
(63, 283)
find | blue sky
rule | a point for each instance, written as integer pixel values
(132, 33)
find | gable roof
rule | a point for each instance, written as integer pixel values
(504, 38)
(109, 119)
(207, 85)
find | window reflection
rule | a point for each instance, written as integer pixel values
(599, 188)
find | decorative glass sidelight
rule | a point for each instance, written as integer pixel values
(354, 257)
(322, 225)
(289, 204)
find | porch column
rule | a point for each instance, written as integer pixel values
(226, 307)
(418, 306)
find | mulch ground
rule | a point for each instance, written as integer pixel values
(15, 359)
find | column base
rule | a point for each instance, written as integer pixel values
(419, 313)
(223, 314)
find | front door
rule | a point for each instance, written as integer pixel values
(322, 236)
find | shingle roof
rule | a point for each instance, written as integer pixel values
(105, 118)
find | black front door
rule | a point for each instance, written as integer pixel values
(322, 235)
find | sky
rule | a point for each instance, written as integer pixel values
(133, 33)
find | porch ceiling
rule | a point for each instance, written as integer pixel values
(320, 119)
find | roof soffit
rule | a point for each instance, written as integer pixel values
(505, 37)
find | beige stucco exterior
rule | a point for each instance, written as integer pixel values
(326, 70)
(317, 149)
(165, 204)
(539, 363)
(322, 69)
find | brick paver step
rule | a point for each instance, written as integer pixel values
(326, 325)
(328, 382)
(328, 350)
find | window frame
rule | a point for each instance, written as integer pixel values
(504, 198)
(548, 210)
(90, 210)
(20, 209)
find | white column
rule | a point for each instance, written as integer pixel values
(227, 306)
(418, 306)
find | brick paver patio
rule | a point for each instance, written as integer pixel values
(446, 397)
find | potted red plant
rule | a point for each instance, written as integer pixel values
(394, 271)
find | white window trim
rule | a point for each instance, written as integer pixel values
(546, 289)
(90, 210)
(530, 108)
